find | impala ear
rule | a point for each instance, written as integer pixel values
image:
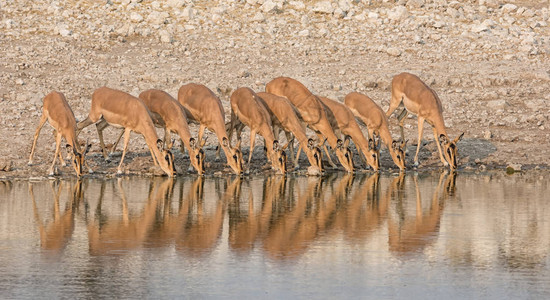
(70, 149)
(458, 138)
(371, 144)
(203, 142)
(275, 145)
(404, 144)
(160, 145)
(339, 144)
(225, 142)
(324, 141)
(192, 143)
(443, 139)
(346, 142)
(394, 145)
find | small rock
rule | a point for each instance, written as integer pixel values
(487, 134)
(313, 171)
(508, 8)
(135, 17)
(415, 3)
(398, 13)
(304, 33)
(324, 7)
(393, 51)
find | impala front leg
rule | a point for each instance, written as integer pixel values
(57, 146)
(126, 141)
(43, 120)
(420, 129)
(330, 162)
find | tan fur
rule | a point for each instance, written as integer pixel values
(247, 109)
(313, 113)
(59, 115)
(203, 107)
(422, 101)
(346, 124)
(283, 116)
(119, 109)
(376, 121)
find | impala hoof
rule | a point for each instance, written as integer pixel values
(415, 164)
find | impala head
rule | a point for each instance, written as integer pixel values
(449, 149)
(314, 155)
(166, 161)
(77, 158)
(373, 154)
(234, 156)
(278, 158)
(344, 155)
(196, 155)
(397, 153)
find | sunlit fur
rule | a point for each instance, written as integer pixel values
(345, 155)
(197, 156)
(77, 159)
(314, 156)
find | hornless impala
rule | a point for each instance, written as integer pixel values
(421, 100)
(119, 109)
(283, 116)
(312, 112)
(345, 123)
(205, 108)
(168, 113)
(377, 124)
(247, 110)
(59, 115)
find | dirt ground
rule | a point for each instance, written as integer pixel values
(492, 88)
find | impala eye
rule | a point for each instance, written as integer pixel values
(347, 156)
(398, 156)
(197, 157)
(235, 157)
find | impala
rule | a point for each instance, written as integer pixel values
(422, 101)
(377, 124)
(59, 115)
(247, 110)
(313, 113)
(168, 113)
(344, 121)
(203, 107)
(283, 116)
(119, 109)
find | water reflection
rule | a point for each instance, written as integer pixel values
(55, 234)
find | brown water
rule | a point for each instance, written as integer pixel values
(363, 236)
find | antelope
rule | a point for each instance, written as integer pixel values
(345, 122)
(283, 115)
(422, 101)
(247, 110)
(168, 113)
(119, 109)
(204, 108)
(376, 121)
(57, 112)
(312, 112)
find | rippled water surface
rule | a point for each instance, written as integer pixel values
(363, 236)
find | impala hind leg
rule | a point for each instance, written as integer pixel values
(43, 120)
(401, 118)
(113, 148)
(395, 101)
(100, 127)
(420, 129)
(126, 141)
(252, 142)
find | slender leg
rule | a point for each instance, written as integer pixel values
(57, 145)
(43, 120)
(83, 124)
(126, 141)
(402, 116)
(113, 148)
(445, 163)
(100, 127)
(252, 141)
(420, 129)
(331, 163)
(290, 140)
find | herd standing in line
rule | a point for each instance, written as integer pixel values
(285, 105)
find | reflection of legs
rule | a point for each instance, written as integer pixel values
(436, 139)
(43, 120)
(126, 141)
(420, 129)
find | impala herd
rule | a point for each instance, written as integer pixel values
(285, 105)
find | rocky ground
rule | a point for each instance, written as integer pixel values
(487, 59)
